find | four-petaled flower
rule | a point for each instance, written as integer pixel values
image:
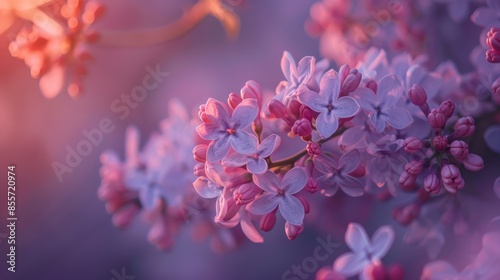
(280, 193)
(328, 104)
(296, 75)
(227, 130)
(365, 253)
(382, 106)
(256, 162)
(336, 174)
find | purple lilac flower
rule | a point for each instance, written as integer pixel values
(328, 104)
(382, 107)
(337, 174)
(365, 252)
(227, 130)
(255, 163)
(280, 193)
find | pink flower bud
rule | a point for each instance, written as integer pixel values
(252, 90)
(305, 203)
(413, 167)
(313, 148)
(268, 221)
(358, 172)
(436, 119)
(233, 100)
(352, 81)
(412, 145)
(459, 149)
(306, 112)
(246, 193)
(440, 143)
(372, 85)
(493, 39)
(451, 177)
(493, 56)
(407, 181)
(292, 231)
(199, 169)
(473, 162)
(200, 153)
(294, 108)
(395, 272)
(202, 115)
(278, 109)
(302, 127)
(417, 95)
(406, 214)
(228, 209)
(312, 185)
(377, 272)
(464, 127)
(344, 72)
(432, 184)
(447, 108)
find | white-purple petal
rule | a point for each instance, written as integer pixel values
(235, 160)
(313, 100)
(243, 142)
(291, 209)
(268, 145)
(257, 166)
(327, 124)
(245, 113)
(288, 66)
(204, 189)
(382, 241)
(294, 180)
(268, 181)
(330, 85)
(345, 107)
(249, 229)
(389, 88)
(398, 118)
(378, 122)
(218, 149)
(350, 161)
(216, 112)
(263, 204)
(351, 186)
(357, 239)
(209, 131)
(350, 264)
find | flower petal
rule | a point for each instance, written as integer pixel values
(263, 204)
(325, 164)
(243, 142)
(268, 145)
(268, 181)
(235, 160)
(288, 66)
(216, 112)
(345, 107)
(258, 166)
(245, 113)
(484, 16)
(330, 85)
(389, 88)
(365, 98)
(350, 264)
(351, 186)
(382, 241)
(294, 180)
(378, 122)
(305, 68)
(328, 184)
(249, 229)
(312, 100)
(204, 189)
(209, 131)
(350, 161)
(398, 118)
(218, 149)
(357, 239)
(326, 124)
(291, 209)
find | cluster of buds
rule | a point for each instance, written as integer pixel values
(52, 44)
(444, 153)
(493, 41)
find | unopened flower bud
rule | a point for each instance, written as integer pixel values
(199, 169)
(432, 183)
(451, 177)
(292, 231)
(305, 203)
(417, 95)
(447, 108)
(412, 145)
(358, 172)
(306, 112)
(268, 221)
(493, 38)
(202, 114)
(414, 167)
(436, 119)
(302, 127)
(246, 193)
(459, 149)
(312, 185)
(233, 100)
(313, 148)
(252, 90)
(278, 109)
(440, 143)
(352, 81)
(464, 127)
(395, 272)
(473, 162)
(200, 152)
(493, 56)
(407, 181)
